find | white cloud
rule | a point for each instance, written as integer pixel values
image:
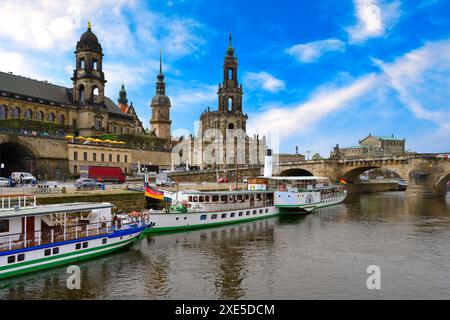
(374, 18)
(192, 96)
(421, 79)
(312, 51)
(264, 80)
(298, 118)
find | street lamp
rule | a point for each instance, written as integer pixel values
(307, 153)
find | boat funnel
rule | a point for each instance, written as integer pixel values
(268, 164)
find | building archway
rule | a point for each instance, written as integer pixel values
(16, 157)
(297, 172)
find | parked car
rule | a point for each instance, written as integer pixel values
(222, 180)
(4, 182)
(161, 179)
(23, 177)
(86, 184)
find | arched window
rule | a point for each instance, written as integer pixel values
(230, 103)
(3, 112)
(28, 114)
(61, 119)
(231, 126)
(39, 116)
(82, 64)
(98, 125)
(81, 94)
(94, 95)
(16, 113)
(95, 64)
(51, 117)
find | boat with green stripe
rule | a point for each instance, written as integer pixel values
(35, 237)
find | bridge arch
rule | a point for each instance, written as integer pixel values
(295, 172)
(441, 185)
(352, 174)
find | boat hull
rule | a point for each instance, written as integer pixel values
(331, 201)
(36, 259)
(171, 222)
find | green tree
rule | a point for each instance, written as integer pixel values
(316, 156)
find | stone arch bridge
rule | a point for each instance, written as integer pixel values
(426, 174)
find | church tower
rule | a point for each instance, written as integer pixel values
(88, 77)
(160, 105)
(230, 92)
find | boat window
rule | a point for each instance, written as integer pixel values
(47, 252)
(104, 240)
(214, 216)
(239, 196)
(185, 218)
(195, 199)
(190, 199)
(231, 198)
(4, 225)
(21, 257)
(215, 198)
(177, 218)
(203, 217)
(260, 210)
(85, 244)
(241, 213)
(246, 197)
(232, 214)
(255, 212)
(206, 198)
(223, 198)
(247, 213)
(55, 250)
(201, 199)
(78, 246)
(224, 215)
(267, 210)
(11, 259)
(258, 196)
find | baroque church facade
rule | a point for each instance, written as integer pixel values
(222, 141)
(81, 110)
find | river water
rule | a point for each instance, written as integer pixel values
(322, 255)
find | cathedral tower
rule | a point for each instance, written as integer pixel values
(160, 105)
(88, 77)
(230, 92)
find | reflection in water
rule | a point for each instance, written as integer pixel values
(322, 255)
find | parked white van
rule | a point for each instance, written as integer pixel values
(23, 177)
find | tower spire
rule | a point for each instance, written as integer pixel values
(160, 61)
(231, 38)
(89, 24)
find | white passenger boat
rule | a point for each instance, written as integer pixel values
(305, 192)
(35, 237)
(196, 209)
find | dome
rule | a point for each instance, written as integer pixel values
(161, 100)
(89, 37)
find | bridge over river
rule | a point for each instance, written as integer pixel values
(426, 173)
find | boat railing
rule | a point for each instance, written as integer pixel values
(60, 233)
(17, 201)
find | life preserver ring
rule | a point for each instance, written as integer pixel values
(281, 187)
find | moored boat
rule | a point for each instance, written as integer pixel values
(196, 209)
(35, 237)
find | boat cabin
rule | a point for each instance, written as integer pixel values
(24, 224)
(225, 200)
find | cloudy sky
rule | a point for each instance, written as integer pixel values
(316, 72)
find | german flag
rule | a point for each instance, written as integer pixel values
(154, 193)
(343, 181)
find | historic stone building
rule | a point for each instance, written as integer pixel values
(371, 147)
(222, 141)
(82, 110)
(160, 122)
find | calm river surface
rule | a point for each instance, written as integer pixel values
(322, 255)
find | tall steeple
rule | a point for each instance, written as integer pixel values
(230, 92)
(160, 84)
(122, 95)
(160, 121)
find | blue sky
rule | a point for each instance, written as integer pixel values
(316, 72)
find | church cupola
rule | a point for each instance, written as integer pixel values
(88, 77)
